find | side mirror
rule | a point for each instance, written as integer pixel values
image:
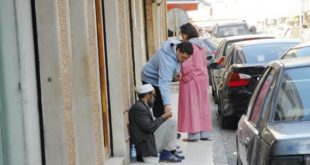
(209, 57)
(215, 65)
(253, 29)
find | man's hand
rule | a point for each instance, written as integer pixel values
(167, 108)
(176, 78)
(167, 115)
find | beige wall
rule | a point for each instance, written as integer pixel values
(69, 73)
(156, 25)
(139, 38)
(120, 71)
(67, 43)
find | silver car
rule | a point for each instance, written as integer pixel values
(276, 128)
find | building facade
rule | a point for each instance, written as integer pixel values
(68, 71)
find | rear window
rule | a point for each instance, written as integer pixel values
(261, 53)
(300, 52)
(232, 30)
(292, 101)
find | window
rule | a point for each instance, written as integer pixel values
(292, 101)
(301, 52)
(228, 58)
(263, 98)
(265, 53)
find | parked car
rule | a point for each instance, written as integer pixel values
(275, 129)
(240, 72)
(300, 50)
(223, 47)
(230, 29)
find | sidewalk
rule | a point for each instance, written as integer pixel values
(196, 153)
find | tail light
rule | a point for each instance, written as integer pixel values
(238, 79)
(220, 61)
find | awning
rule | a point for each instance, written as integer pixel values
(186, 5)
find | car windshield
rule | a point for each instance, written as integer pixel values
(300, 52)
(261, 53)
(232, 30)
(292, 101)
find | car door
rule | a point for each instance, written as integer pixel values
(249, 139)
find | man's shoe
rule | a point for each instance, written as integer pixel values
(167, 156)
(179, 151)
(179, 156)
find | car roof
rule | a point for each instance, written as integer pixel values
(268, 41)
(230, 23)
(292, 62)
(248, 36)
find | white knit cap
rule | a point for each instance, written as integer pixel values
(145, 88)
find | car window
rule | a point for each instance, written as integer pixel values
(219, 51)
(292, 101)
(263, 98)
(228, 59)
(240, 59)
(265, 53)
(300, 52)
(232, 30)
(227, 46)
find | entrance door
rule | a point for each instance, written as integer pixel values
(103, 77)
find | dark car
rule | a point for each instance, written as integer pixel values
(300, 50)
(240, 72)
(222, 50)
(275, 129)
(230, 29)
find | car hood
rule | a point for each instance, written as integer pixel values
(290, 138)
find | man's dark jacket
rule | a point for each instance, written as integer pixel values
(142, 128)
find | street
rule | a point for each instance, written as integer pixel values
(223, 144)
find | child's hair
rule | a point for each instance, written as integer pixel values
(190, 30)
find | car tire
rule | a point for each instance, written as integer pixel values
(238, 160)
(215, 98)
(225, 122)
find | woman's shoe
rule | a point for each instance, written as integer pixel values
(190, 140)
(206, 139)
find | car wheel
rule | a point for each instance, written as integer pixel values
(215, 96)
(224, 121)
(238, 160)
(213, 90)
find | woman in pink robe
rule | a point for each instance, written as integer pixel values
(194, 115)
